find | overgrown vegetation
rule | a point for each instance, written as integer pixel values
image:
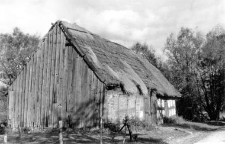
(135, 124)
(16, 50)
(196, 67)
(197, 70)
(173, 120)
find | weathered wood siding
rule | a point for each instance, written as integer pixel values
(56, 83)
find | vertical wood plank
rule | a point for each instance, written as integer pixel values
(65, 76)
(72, 101)
(19, 99)
(76, 87)
(45, 81)
(56, 83)
(34, 89)
(11, 107)
(69, 76)
(44, 86)
(26, 96)
(15, 104)
(84, 87)
(30, 94)
(38, 93)
(95, 91)
(89, 98)
(40, 85)
(52, 89)
(23, 94)
(93, 97)
(49, 76)
(31, 102)
(61, 73)
(78, 92)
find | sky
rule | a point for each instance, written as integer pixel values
(123, 21)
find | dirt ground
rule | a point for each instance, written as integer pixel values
(158, 136)
(217, 137)
(164, 134)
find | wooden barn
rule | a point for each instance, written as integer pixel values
(78, 76)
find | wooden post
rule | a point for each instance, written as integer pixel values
(101, 141)
(20, 133)
(60, 132)
(124, 137)
(5, 138)
(60, 124)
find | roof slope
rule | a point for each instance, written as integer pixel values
(115, 64)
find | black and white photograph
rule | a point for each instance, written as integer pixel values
(112, 71)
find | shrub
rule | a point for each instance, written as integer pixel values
(173, 120)
(137, 124)
(3, 126)
(114, 127)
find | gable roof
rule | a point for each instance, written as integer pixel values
(116, 65)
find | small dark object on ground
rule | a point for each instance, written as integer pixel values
(3, 126)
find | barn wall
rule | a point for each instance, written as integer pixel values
(165, 108)
(118, 105)
(170, 108)
(149, 108)
(55, 83)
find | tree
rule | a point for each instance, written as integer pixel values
(182, 52)
(15, 51)
(212, 73)
(145, 51)
(197, 67)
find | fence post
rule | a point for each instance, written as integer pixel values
(60, 124)
(60, 132)
(20, 133)
(5, 138)
(101, 142)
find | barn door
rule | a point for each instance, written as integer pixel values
(153, 105)
(11, 108)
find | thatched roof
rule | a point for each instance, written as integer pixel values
(116, 65)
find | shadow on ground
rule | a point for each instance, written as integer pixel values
(216, 123)
(76, 137)
(150, 140)
(195, 126)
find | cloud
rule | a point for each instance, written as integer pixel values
(31, 17)
(122, 21)
(126, 26)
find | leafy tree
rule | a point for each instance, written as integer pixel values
(146, 51)
(15, 51)
(211, 73)
(196, 66)
(182, 52)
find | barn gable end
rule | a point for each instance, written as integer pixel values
(55, 83)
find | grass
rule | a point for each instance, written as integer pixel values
(177, 121)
